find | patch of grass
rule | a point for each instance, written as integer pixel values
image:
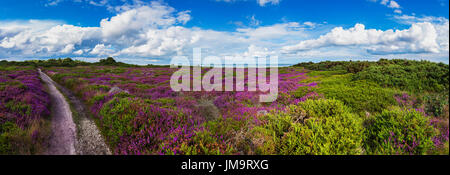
(359, 95)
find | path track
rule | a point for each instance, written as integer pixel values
(63, 137)
(68, 138)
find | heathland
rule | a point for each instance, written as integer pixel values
(388, 107)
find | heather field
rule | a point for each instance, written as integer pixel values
(389, 107)
(24, 111)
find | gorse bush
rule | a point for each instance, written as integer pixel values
(399, 131)
(313, 127)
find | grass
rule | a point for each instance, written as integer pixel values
(360, 95)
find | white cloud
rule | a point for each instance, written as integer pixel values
(390, 4)
(398, 11)
(78, 52)
(441, 25)
(53, 2)
(419, 38)
(264, 2)
(276, 31)
(254, 21)
(156, 30)
(43, 37)
(142, 18)
(393, 4)
(102, 50)
(162, 42)
(261, 3)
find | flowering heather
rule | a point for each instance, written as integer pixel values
(23, 108)
(442, 126)
(22, 99)
(138, 113)
(147, 117)
(404, 100)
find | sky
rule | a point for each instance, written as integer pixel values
(153, 32)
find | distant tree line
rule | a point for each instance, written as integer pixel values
(69, 62)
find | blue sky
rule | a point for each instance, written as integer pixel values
(152, 32)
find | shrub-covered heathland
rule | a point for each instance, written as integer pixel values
(346, 107)
(24, 126)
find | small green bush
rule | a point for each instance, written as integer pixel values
(117, 116)
(205, 143)
(399, 131)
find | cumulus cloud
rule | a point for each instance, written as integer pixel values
(264, 2)
(390, 4)
(261, 3)
(43, 37)
(102, 50)
(419, 38)
(154, 16)
(441, 25)
(152, 30)
(157, 31)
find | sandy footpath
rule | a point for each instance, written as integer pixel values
(67, 138)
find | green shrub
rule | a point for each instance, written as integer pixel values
(313, 127)
(30, 141)
(412, 76)
(436, 104)
(205, 143)
(117, 116)
(359, 95)
(97, 87)
(399, 131)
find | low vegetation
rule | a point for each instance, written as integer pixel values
(24, 114)
(338, 108)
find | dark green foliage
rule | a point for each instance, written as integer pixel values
(107, 61)
(399, 131)
(349, 66)
(66, 62)
(413, 76)
(17, 141)
(7, 131)
(435, 104)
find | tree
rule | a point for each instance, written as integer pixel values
(108, 61)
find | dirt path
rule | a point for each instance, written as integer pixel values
(81, 137)
(62, 140)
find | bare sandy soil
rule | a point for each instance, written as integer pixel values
(68, 137)
(63, 137)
